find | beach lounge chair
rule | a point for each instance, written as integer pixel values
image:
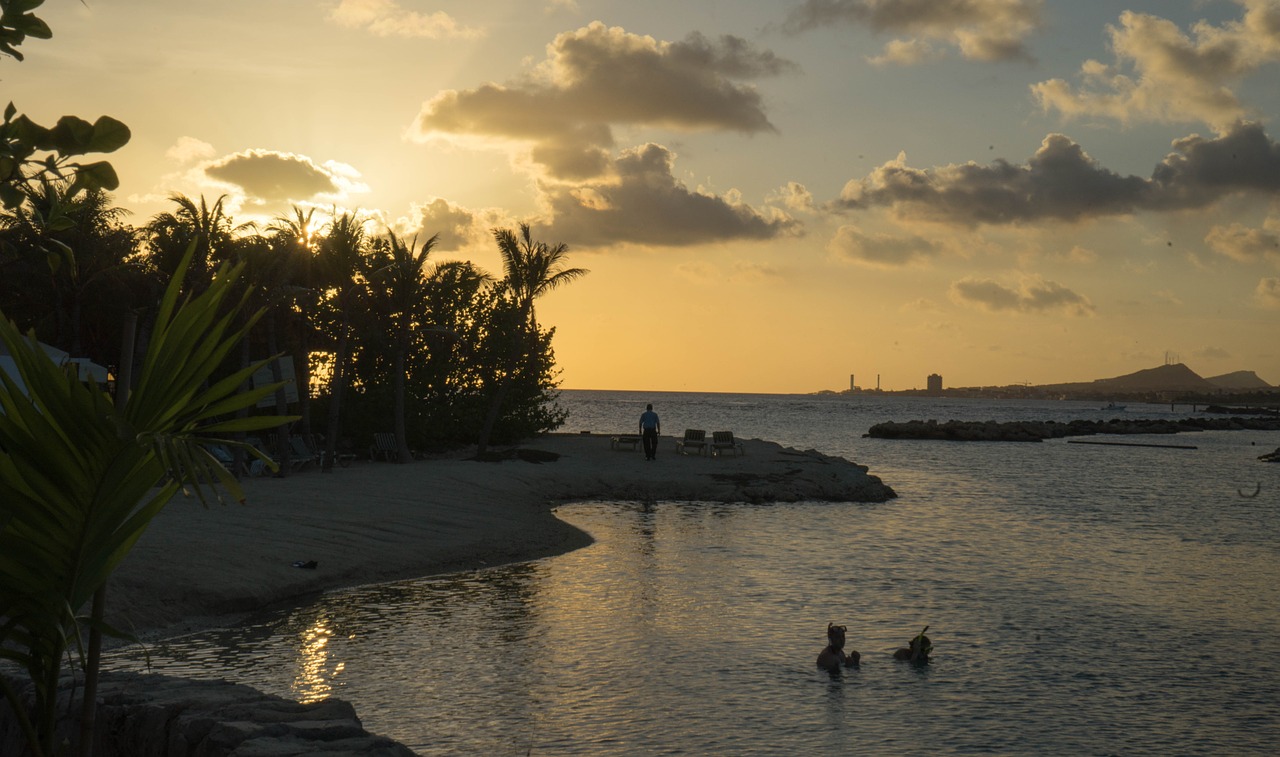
(695, 440)
(626, 440)
(723, 441)
(384, 447)
(342, 455)
(301, 454)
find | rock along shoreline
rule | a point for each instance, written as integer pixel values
(1036, 431)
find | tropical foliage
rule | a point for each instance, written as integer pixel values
(82, 475)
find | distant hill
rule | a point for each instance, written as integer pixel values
(1166, 378)
(1239, 380)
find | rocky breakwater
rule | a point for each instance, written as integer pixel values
(157, 716)
(1035, 431)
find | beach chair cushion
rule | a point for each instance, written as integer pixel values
(695, 440)
(723, 441)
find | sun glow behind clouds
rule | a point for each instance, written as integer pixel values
(691, 153)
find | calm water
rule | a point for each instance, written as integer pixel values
(1081, 600)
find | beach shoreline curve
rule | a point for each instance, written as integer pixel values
(202, 567)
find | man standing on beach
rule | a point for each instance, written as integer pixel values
(650, 427)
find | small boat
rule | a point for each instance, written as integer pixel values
(1113, 407)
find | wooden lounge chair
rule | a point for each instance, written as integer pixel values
(625, 440)
(695, 440)
(723, 441)
(384, 447)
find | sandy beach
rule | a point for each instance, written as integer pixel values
(198, 567)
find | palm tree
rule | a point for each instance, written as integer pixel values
(81, 477)
(299, 238)
(207, 226)
(342, 264)
(73, 252)
(530, 269)
(404, 280)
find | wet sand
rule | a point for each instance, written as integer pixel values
(197, 567)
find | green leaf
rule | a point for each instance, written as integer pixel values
(29, 132)
(11, 196)
(9, 49)
(71, 135)
(109, 135)
(33, 26)
(9, 112)
(22, 6)
(93, 176)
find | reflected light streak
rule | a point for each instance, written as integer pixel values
(310, 684)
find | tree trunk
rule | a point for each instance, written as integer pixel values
(403, 453)
(336, 385)
(282, 401)
(93, 663)
(495, 408)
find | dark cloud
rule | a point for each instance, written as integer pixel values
(881, 250)
(456, 226)
(270, 176)
(980, 29)
(1268, 293)
(647, 205)
(1200, 171)
(598, 77)
(1035, 295)
(1245, 244)
(1061, 182)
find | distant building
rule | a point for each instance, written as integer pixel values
(852, 386)
(934, 384)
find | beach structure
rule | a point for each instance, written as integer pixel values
(85, 368)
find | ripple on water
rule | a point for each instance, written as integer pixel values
(1080, 601)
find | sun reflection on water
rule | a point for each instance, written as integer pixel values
(310, 682)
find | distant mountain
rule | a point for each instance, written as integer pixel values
(1176, 377)
(1166, 378)
(1239, 380)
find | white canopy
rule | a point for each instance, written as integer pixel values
(85, 368)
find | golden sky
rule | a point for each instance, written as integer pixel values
(769, 195)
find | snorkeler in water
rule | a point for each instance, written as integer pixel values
(833, 655)
(917, 651)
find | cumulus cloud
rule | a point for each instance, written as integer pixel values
(987, 30)
(386, 18)
(1163, 74)
(881, 250)
(1062, 182)
(645, 204)
(266, 176)
(1268, 293)
(456, 226)
(1247, 245)
(1033, 295)
(794, 196)
(189, 149)
(597, 77)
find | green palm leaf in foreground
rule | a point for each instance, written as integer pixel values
(80, 478)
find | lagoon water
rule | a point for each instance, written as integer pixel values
(1081, 599)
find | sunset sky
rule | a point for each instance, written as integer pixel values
(770, 196)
